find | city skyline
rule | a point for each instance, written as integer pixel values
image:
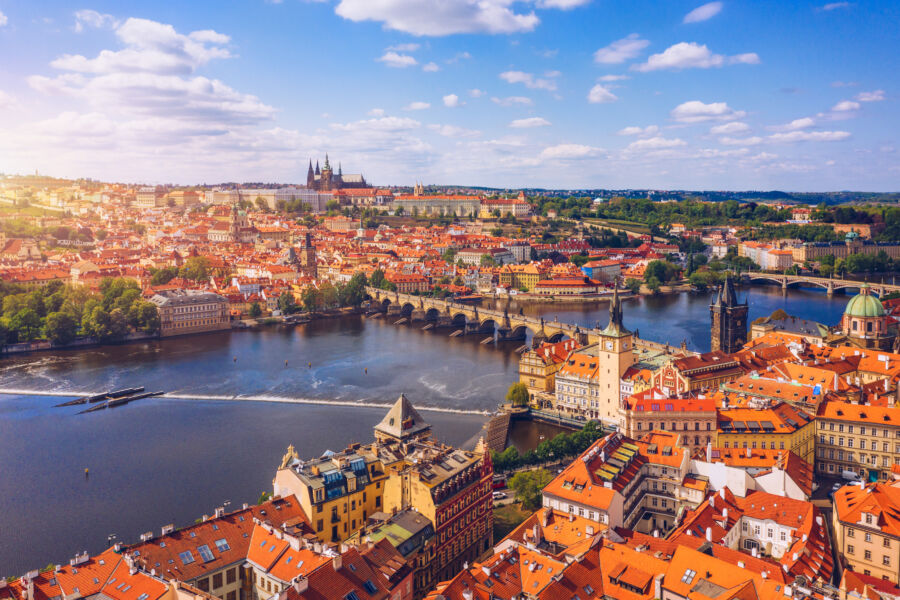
(537, 93)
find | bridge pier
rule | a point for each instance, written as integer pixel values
(506, 335)
(394, 309)
(417, 314)
(829, 289)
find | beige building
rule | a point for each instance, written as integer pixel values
(190, 311)
(858, 438)
(867, 528)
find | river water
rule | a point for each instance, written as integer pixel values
(171, 460)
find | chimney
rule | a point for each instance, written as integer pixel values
(467, 594)
(220, 512)
(722, 493)
(536, 534)
(545, 519)
(709, 534)
(301, 584)
(725, 514)
(819, 520)
(754, 553)
(245, 506)
(740, 564)
(712, 501)
(589, 530)
(657, 585)
(749, 454)
(709, 451)
(167, 529)
(337, 562)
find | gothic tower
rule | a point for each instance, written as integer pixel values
(326, 176)
(308, 264)
(615, 356)
(310, 177)
(728, 328)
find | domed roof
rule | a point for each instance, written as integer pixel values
(864, 305)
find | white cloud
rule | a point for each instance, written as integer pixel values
(810, 136)
(649, 130)
(378, 124)
(431, 67)
(696, 111)
(376, 112)
(398, 61)
(796, 124)
(458, 57)
(440, 17)
(655, 143)
(7, 102)
(702, 13)
(601, 95)
(840, 84)
(611, 78)
(569, 151)
(4, 20)
(621, 50)
(845, 106)
(91, 18)
(529, 123)
(836, 5)
(690, 55)
(729, 128)
(512, 101)
(417, 106)
(747, 141)
(453, 131)
(451, 101)
(876, 96)
(476, 93)
(562, 4)
(403, 47)
(528, 80)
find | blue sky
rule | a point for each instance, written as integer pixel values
(552, 93)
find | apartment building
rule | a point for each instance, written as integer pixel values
(859, 438)
(694, 418)
(777, 426)
(538, 366)
(866, 524)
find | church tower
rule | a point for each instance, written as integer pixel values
(326, 176)
(615, 355)
(728, 328)
(310, 177)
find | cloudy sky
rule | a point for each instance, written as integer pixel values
(759, 94)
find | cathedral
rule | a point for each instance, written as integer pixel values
(326, 180)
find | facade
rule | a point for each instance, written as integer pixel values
(149, 197)
(403, 469)
(814, 251)
(693, 418)
(866, 524)
(705, 371)
(581, 286)
(777, 426)
(858, 438)
(461, 206)
(729, 320)
(326, 179)
(190, 311)
(517, 207)
(522, 276)
(474, 256)
(538, 366)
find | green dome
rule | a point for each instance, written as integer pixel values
(864, 305)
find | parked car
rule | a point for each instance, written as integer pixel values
(849, 475)
(499, 495)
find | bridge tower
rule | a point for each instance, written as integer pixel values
(729, 320)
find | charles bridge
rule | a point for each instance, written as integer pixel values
(470, 319)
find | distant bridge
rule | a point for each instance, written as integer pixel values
(467, 319)
(830, 285)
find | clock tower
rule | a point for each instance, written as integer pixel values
(616, 355)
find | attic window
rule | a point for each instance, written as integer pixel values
(688, 576)
(370, 587)
(589, 590)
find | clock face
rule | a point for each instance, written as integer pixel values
(609, 345)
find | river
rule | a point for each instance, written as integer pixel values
(171, 460)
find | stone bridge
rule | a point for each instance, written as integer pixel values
(830, 285)
(473, 319)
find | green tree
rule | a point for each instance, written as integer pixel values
(255, 310)
(163, 276)
(60, 328)
(528, 486)
(377, 280)
(488, 261)
(312, 300)
(196, 268)
(286, 303)
(355, 291)
(27, 324)
(144, 316)
(517, 394)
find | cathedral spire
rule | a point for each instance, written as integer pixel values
(317, 168)
(327, 166)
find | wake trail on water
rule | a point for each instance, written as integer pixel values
(248, 398)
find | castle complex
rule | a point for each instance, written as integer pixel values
(326, 180)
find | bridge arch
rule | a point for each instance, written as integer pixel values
(521, 331)
(488, 325)
(407, 309)
(459, 319)
(558, 337)
(432, 314)
(385, 303)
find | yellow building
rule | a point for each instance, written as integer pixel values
(522, 276)
(538, 366)
(867, 529)
(190, 311)
(776, 427)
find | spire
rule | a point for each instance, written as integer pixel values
(340, 171)
(327, 166)
(728, 296)
(615, 327)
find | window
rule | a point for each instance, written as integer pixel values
(205, 553)
(688, 576)
(351, 596)
(868, 555)
(370, 587)
(851, 532)
(222, 545)
(850, 549)
(588, 590)
(886, 560)
(231, 575)
(217, 581)
(186, 557)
